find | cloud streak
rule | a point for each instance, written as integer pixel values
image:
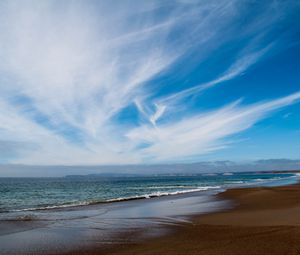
(241, 64)
(205, 132)
(68, 71)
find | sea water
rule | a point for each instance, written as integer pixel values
(31, 194)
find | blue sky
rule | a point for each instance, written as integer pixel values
(100, 82)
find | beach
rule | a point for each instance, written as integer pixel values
(262, 217)
(149, 127)
(264, 220)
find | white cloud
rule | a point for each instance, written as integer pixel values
(202, 133)
(81, 63)
(243, 62)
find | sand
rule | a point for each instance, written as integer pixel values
(263, 221)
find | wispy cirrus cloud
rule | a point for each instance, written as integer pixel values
(204, 132)
(68, 69)
(242, 63)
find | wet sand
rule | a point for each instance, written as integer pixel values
(101, 226)
(264, 220)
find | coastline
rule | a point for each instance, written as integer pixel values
(264, 220)
(102, 226)
(178, 224)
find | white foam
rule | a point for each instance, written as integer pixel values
(160, 194)
(52, 207)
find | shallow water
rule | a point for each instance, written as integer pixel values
(61, 230)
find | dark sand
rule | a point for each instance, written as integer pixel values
(264, 221)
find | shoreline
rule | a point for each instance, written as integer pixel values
(71, 204)
(264, 220)
(101, 226)
(151, 226)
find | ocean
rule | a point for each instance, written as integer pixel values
(19, 195)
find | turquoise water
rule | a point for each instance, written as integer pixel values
(30, 194)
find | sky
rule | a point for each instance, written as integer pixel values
(148, 82)
(203, 167)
